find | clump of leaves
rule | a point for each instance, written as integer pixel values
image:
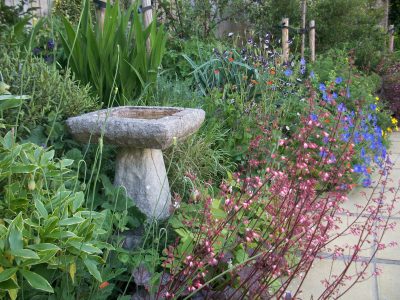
(114, 60)
(53, 94)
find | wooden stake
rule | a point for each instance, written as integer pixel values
(101, 14)
(147, 19)
(391, 38)
(285, 39)
(303, 26)
(312, 40)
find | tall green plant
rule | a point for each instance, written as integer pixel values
(115, 59)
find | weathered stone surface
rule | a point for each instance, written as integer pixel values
(136, 126)
(140, 132)
(142, 172)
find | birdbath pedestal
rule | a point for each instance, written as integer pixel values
(141, 133)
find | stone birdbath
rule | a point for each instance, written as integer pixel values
(141, 133)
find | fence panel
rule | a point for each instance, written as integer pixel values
(43, 6)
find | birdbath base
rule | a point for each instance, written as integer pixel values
(142, 173)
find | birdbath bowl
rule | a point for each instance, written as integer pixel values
(141, 133)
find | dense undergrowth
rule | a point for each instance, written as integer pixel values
(257, 192)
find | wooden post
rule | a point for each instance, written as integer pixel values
(391, 38)
(285, 39)
(312, 40)
(147, 11)
(101, 13)
(303, 26)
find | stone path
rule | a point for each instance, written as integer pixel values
(385, 286)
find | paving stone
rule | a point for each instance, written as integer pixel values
(347, 238)
(356, 197)
(395, 136)
(322, 269)
(394, 147)
(388, 282)
(392, 253)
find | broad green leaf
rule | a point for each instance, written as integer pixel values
(71, 221)
(84, 247)
(78, 200)
(8, 285)
(8, 140)
(37, 281)
(7, 273)
(44, 246)
(40, 208)
(25, 253)
(92, 268)
(15, 238)
(23, 168)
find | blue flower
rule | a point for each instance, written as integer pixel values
(322, 87)
(323, 153)
(339, 80)
(288, 72)
(348, 92)
(345, 137)
(341, 108)
(312, 74)
(366, 182)
(302, 61)
(372, 107)
(334, 95)
(358, 168)
(314, 117)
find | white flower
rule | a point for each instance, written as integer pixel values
(287, 128)
(230, 34)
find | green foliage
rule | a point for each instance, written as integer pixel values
(70, 9)
(114, 61)
(200, 155)
(350, 24)
(186, 19)
(55, 96)
(45, 229)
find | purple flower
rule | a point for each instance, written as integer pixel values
(36, 51)
(288, 72)
(302, 61)
(50, 44)
(49, 58)
(334, 95)
(339, 80)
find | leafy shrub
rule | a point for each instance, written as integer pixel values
(352, 25)
(55, 96)
(69, 9)
(45, 229)
(114, 61)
